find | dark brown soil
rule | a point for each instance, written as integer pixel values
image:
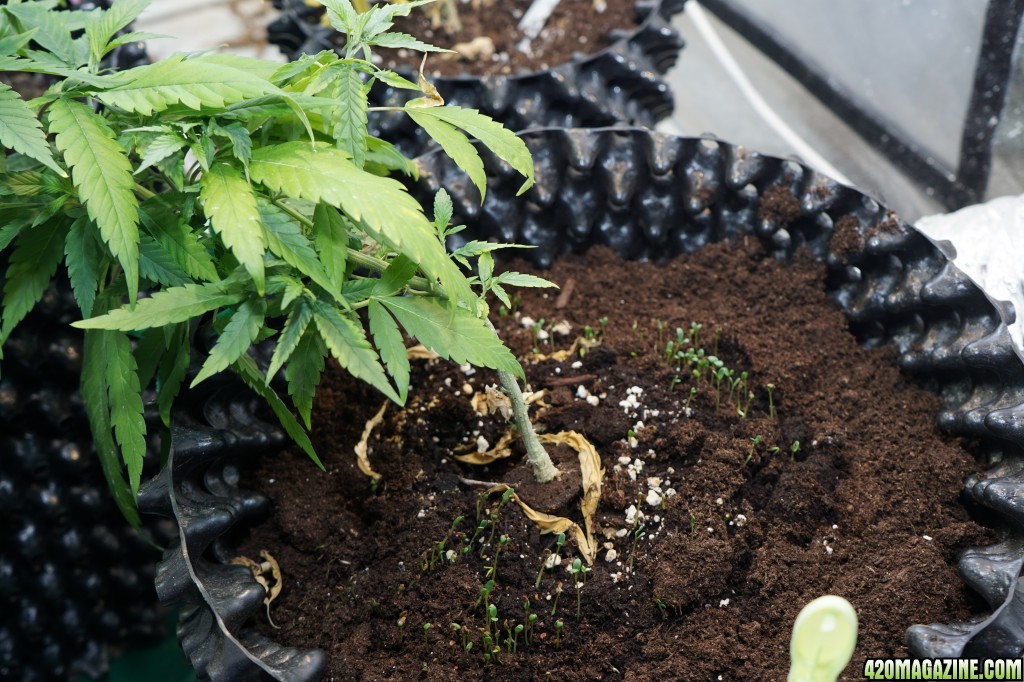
(867, 508)
(573, 28)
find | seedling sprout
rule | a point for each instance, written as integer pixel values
(401, 627)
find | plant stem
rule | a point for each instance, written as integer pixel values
(544, 469)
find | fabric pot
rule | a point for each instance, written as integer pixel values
(646, 196)
(620, 84)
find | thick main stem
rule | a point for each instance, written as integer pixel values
(543, 468)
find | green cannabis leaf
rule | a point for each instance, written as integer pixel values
(239, 201)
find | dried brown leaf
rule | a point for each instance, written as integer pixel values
(590, 470)
(563, 355)
(362, 458)
(479, 48)
(500, 451)
(260, 571)
(549, 523)
(275, 572)
(420, 352)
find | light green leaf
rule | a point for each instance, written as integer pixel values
(164, 223)
(295, 325)
(459, 336)
(305, 366)
(250, 373)
(350, 114)
(505, 144)
(21, 131)
(83, 261)
(238, 135)
(381, 205)
(156, 148)
(177, 304)
(37, 253)
(157, 264)
(292, 291)
(210, 81)
(103, 175)
(455, 144)
(485, 266)
(501, 294)
(394, 80)
(286, 241)
(381, 17)
(231, 206)
(477, 248)
(402, 40)
(238, 335)
(347, 342)
(386, 156)
(135, 37)
(101, 25)
(342, 15)
(391, 345)
(97, 409)
(10, 44)
(331, 241)
(45, 62)
(518, 279)
(125, 404)
(204, 152)
(443, 211)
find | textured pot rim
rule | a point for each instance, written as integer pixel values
(973, 298)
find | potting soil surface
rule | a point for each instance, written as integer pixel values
(574, 28)
(714, 529)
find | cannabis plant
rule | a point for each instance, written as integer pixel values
(236, 200)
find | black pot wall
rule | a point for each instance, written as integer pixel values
(650, 196)
(619, 85)
(75, 579)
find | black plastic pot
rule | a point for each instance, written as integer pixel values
(75, 578)
(650, 196)
(619, 85)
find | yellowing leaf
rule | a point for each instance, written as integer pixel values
(549, 523)
(362, 458)
(592, 474)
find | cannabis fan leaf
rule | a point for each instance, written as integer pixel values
(222, 202)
